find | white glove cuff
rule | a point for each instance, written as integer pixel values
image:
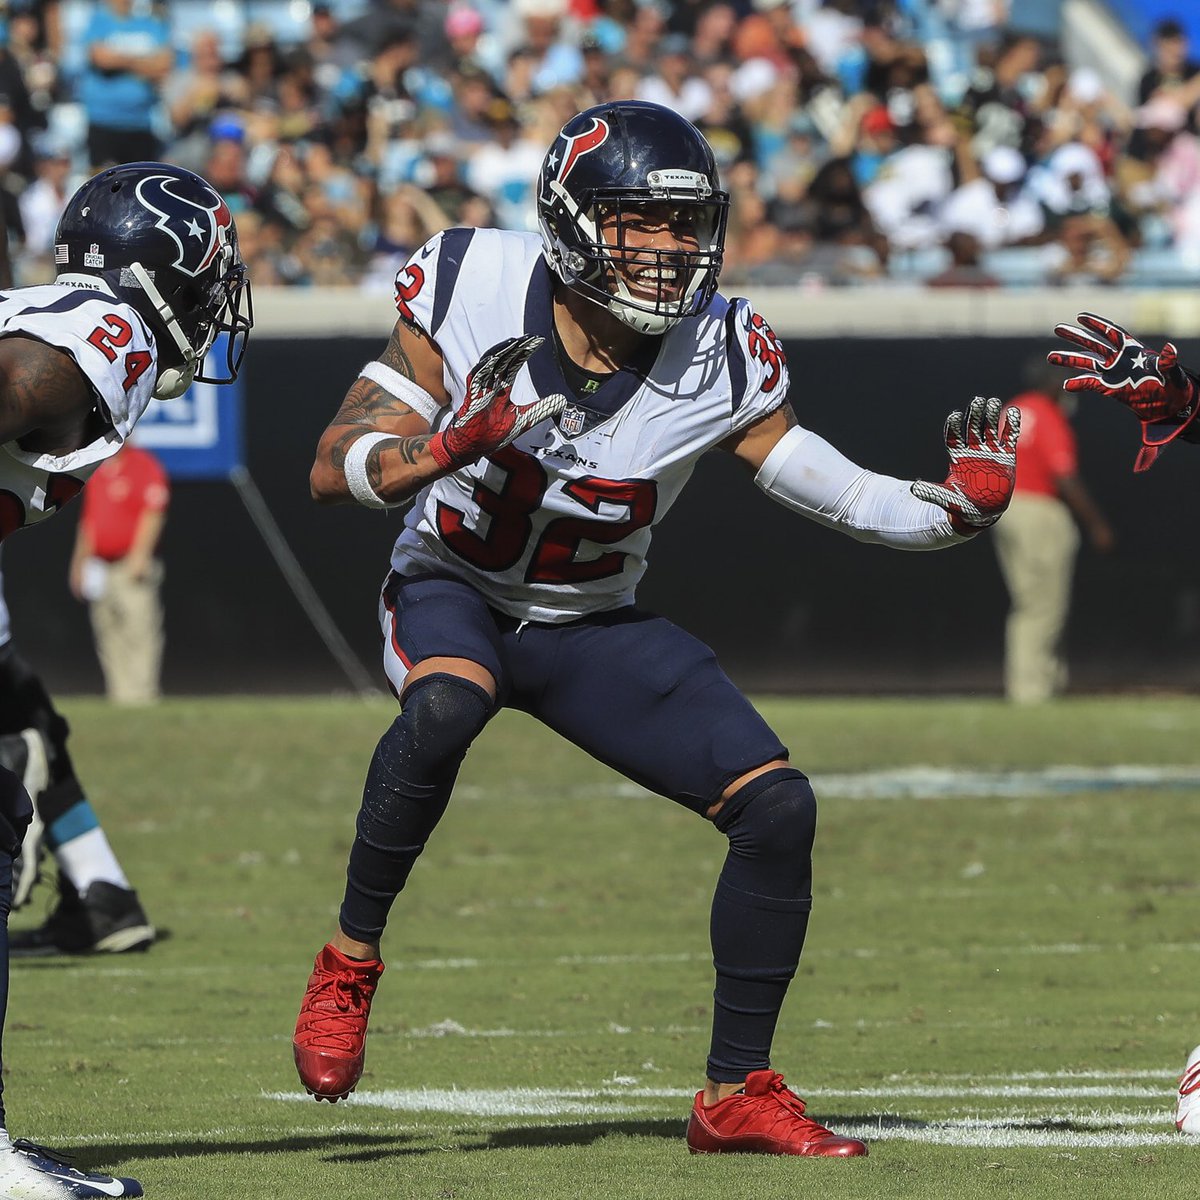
(404, 389)
(355, 469)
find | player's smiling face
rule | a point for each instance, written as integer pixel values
(646, 240)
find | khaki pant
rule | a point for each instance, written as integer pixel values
(1036, 541)
(128, 627)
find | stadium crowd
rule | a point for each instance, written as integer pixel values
(938, 140)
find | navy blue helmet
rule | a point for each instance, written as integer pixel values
(606, 164)
(164, 241)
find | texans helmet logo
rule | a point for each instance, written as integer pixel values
(200, 232)
(582, 143)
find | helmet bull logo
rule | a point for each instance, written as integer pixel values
(581, 143)
(199, 233)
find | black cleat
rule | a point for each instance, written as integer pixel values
(106, 919)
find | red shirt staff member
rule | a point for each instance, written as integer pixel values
(1038, 540)
(114, 569)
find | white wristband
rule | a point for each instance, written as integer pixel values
(355, 469)
(404, 389)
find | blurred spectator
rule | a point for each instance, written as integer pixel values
(769, 32)
(965, 269)
(260, 66)
(1037, 539)
(994, 207)
(893, 67)
(1000, 99)
(1088, 248)
(280, 200)
(407, 220)
(505, 170)
(595, 84)
(556, 60)
(439, 173)
(116, 571)
(1071, 181)
(1160, 177)
(474, 93)
(470, 42)
(128, 58)
(646, 27)
(1171, 69)
(385, 20)
(673, 83)
(225, 169)
(42, 204)
(713, 33)
(751, 240)
(196, 95)
(728, 132)
(33, 45)
(906, 197)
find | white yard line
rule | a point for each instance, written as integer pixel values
(926, 782)
(1092, 1129)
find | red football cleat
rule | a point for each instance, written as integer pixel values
(331, 1030)
(766, 1118)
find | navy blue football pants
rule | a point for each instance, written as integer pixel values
(637, 693)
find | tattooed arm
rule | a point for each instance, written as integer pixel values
(396, 469)
(46, 402)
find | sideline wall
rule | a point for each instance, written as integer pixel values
(786, 604)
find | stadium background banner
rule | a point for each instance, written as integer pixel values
(198, 435)
(786, 604)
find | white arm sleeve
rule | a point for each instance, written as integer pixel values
(805, 473)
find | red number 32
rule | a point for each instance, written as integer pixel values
(764, 345)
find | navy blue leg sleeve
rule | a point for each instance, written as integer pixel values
(759, 916)
(408, 787)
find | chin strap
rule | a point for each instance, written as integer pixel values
(172, 381)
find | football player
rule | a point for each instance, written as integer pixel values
(1165, 398)
(97, 910)
(148, 272)
(541, 403)
(1152, 384)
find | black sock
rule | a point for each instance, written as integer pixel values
(759, 916)
(408, 787)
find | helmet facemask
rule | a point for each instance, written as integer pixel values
(192, 316)
(649, 290)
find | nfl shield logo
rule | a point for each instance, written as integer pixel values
(571, 421)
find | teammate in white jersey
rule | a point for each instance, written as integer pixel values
(148, 273)
(541, 403)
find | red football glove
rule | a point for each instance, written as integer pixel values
(488, 419)
(1149, 382)
(983, 466)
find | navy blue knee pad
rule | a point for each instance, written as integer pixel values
(771, 823)
(759, 915)
(408, 787)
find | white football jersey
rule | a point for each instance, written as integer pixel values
(558, 524)
(113, 347)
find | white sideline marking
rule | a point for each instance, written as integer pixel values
(1094, 1129)
(1059, 949)
(904, 783)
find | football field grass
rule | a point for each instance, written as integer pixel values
(999, 989)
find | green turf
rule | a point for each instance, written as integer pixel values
(555, 936)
